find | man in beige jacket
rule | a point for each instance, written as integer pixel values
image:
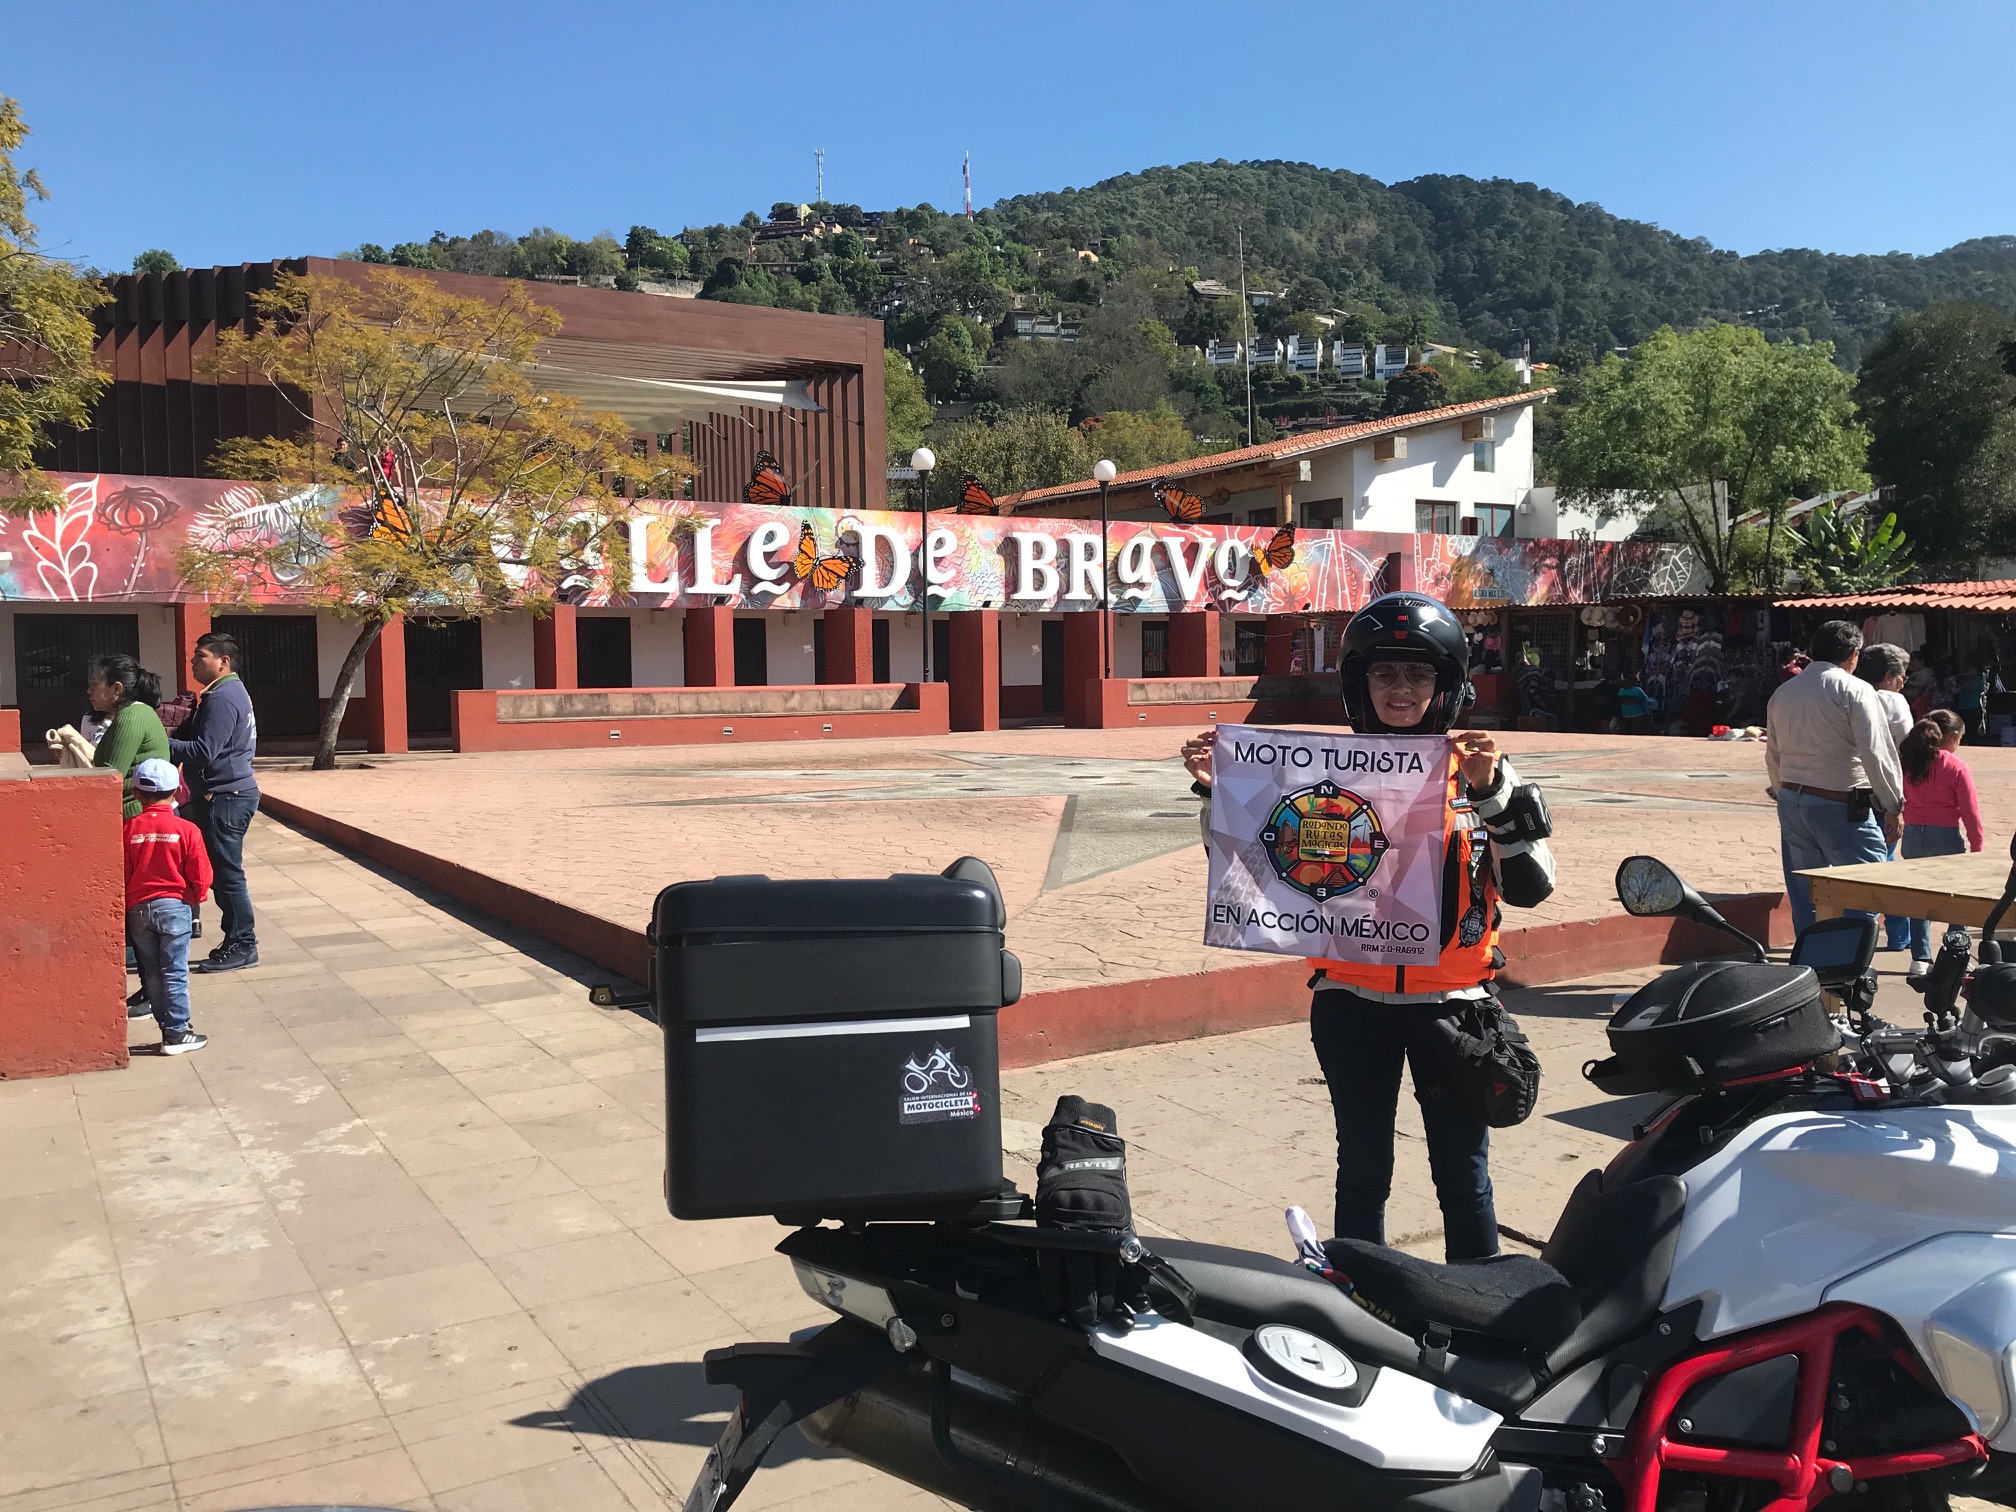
(1832, 766)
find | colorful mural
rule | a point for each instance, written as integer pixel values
(119, 539)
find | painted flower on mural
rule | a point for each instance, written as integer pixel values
(136, 510)
(57, 542)
(242, 520)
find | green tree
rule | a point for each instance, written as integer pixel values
(1940, 404)
(154, 260)
(480, 492)
(1844, 553)
(905, 409)
(1413, 389)
(1023, 450)
(414, 255)
(49, 375)
(1717, 422)
(1140, 439)
(950, 358)
(599, 257)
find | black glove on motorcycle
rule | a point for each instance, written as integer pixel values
(1081, 1184)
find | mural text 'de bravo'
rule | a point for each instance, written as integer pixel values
(119, 538)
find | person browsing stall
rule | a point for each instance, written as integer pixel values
(1939, 803)
(1404, 672)
(1831, 767)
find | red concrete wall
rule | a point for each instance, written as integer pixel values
(1023, 701)
(62, 922)
(975, 673)
(555, 663)
(385, 675)
(476, 727)
(1114, 712)
(10, 730)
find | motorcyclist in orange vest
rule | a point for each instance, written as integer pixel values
(1405, 660)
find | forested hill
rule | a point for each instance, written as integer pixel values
(1502, 261)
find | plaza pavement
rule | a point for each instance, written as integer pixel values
(1093, 833)
(397, 1235)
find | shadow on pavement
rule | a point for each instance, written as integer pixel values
(1566, 1001)
(1615, 1116)
(666, 1404)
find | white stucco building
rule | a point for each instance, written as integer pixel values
(1466, 469)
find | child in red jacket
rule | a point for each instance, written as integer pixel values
(167, 873)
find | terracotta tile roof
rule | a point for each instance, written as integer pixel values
(1288, 446)
(1997, 595)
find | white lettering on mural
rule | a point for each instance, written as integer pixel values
(764, 539)
(1135, 567)
(873, 583)
(1187, 570)
(1232, 561)
(641, 580)
(703, 568)
(1035, 565)
(1083, 570)
(943, 548)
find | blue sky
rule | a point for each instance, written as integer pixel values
(228, 131)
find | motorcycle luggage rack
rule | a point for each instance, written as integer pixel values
(1803, 1474)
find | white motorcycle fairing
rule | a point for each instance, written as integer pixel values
(1955, 1298)
(1404, 1422)
(1796, 1202)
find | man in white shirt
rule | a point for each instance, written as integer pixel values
(1884, 668)
(1832, 766)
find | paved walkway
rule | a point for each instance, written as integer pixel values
(1079, 825)
(397, 1235)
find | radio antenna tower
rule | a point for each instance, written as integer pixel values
(967, 169)
(819, 157)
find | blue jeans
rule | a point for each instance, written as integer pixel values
(159, 934)
(224, 818)
(1929, 840)
(1815, 832)
(1361, 1045)
(1896, 930)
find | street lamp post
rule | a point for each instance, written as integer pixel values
(1104, 471)
(923, 460)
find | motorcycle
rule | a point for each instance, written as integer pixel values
(1796, 1285)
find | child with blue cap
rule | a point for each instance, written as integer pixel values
(167, 874)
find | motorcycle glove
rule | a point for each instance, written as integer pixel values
(1081, 1185)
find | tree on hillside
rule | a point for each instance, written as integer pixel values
(1717, 423)
(1026, 449)
(1135, 439)
(48, 375)
(1940, 404)
(905, 410)
(425, 473)
(1413, 389)
(154, 260)
(951, 357)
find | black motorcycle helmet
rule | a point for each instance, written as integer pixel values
(1406, 627)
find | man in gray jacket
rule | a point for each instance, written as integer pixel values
(215, 747)
(1832, 767)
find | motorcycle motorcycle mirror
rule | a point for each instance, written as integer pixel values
(1649, 889)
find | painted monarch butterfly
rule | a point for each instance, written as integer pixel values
(974, 498)
(766, 484)
(1183, 508)
(391, 520)
(1277, 553)
(824, 572)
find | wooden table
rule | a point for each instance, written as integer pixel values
(1948, 889)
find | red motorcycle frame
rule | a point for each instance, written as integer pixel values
(1803, 1475)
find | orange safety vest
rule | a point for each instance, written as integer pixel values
(1470, 913)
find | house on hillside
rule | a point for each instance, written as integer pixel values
(1305, 354)
(1466, 469)
(1030, 325)
(1268, 350)
(1224, 353)
(1348, 358)
(1387, 360)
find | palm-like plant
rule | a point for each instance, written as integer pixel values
(1841, 552)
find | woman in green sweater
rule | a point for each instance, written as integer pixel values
(127, 691)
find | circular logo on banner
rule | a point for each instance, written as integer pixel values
(1325, 841)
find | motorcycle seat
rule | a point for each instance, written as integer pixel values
(1514, 1298)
